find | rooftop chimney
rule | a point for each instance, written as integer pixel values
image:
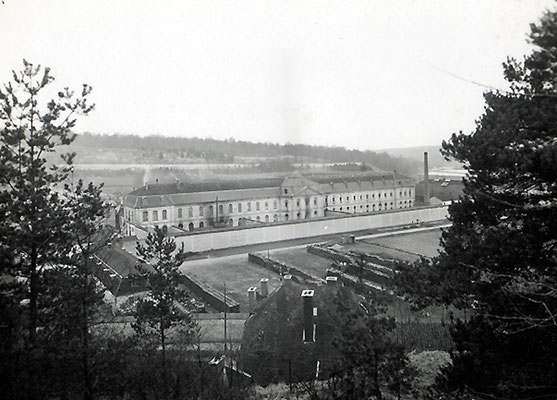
(252, 299)
(308, 335)
(264, 287)
(331, 280)
(287, 280)
(426, 179)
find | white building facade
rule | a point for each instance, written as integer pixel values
(190, 207)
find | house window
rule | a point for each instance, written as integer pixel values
(211, 211)
(221, 210)
(379, 195)
(348, 198)
(155, 215)
(354, 198)
(286, 217)
(256, 206)
(314, 201)
(180, 226)
(239, 207)
(258, 218)
(249, 205)
(333, 199)
(230, 222)
(315, 213)
(200, 211)
(285, 191)
(297, 203)
(409, 193)
(409, 203)
(145, 216)
(190, 212)
(201, 225)
(391, 194)
(230, 209)
(286, 203)
(179, 213)
(163, 214)
(367, 196)
(274, 204)
(275, 218)
(266, 218)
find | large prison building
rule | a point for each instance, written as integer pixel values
(200, 206)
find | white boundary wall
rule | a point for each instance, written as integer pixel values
(244, 236)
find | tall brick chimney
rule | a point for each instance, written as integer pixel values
(308, 334)
(426, 179)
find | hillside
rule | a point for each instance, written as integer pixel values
(131, 149)
(436, 159)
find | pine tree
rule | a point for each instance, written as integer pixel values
(499, 257)
(33, 214)
(163, 315)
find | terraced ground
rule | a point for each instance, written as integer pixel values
(406, 247)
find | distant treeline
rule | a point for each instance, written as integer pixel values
(230, 149)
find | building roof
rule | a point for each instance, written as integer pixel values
(162, 195)
(277, 325)
(444, 190)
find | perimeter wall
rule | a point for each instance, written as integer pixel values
(248, 235)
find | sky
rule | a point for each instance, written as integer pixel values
(360, 74)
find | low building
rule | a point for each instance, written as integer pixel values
(195, 206)
(441, 191)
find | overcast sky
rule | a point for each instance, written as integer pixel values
(360, 74)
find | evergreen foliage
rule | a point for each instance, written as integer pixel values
(499, 258)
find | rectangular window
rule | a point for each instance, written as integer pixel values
(145, 216)
(239, 207)
(257, 206)
(155, 215)
(179, 213)
(249, 205)
(190, 212)
(200, 211)
(211, 211)
(163, 214)
(230, 209)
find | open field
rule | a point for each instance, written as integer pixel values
(236, 271)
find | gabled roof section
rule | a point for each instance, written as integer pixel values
(297, 184)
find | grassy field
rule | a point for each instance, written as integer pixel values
(236, 271)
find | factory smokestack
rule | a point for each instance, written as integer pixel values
(426, 179)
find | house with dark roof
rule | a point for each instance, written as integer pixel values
(289, 337)
(185, 207)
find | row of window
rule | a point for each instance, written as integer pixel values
(180, 211)
(401, 194)
(405, 204)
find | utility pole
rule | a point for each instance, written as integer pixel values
(225, 309)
